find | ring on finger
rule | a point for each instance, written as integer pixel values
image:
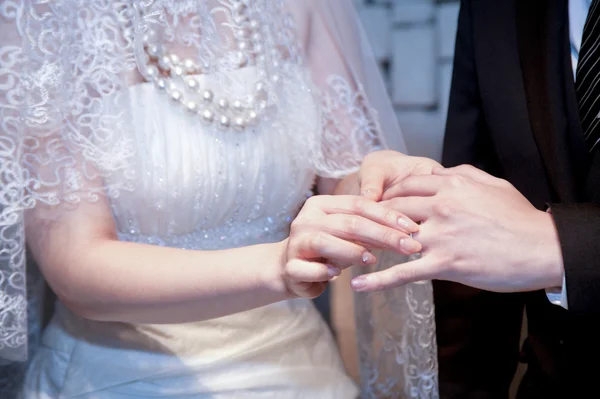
(418, 254)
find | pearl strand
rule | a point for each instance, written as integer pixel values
(238, 114)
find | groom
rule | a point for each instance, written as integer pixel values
(525, 108)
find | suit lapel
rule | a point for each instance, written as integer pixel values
(500, 81)
(543, 38)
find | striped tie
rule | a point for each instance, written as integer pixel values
(588, 78)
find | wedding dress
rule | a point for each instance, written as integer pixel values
(226, 162)
(211, 191)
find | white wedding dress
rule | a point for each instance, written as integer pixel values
(201, 191)
(84, 115)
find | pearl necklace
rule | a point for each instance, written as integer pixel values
(177, 78)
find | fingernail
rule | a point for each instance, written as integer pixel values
(368, 258)
(333, 271)
(410, 245)
(366, 192)
(359, 283)
(408, 224)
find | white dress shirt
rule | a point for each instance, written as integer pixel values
(578, 11)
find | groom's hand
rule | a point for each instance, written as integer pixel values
(475, 229)
(381, 171)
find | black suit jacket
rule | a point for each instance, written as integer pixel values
(513, 113)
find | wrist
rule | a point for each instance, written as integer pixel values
(273, 273)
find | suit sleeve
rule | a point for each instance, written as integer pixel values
(478, 332)
(578, 227)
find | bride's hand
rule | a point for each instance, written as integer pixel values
(332, 233)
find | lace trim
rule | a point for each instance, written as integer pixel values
(350, 128)
(396, 339)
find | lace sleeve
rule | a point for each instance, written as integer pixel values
(57, 144)
(17, 283)
(355, 106)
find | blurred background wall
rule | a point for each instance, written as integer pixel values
(414, 43)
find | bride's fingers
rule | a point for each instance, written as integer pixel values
(373, 235)
(353, 205)
(309, 290)
(310, 272)
(338, 252)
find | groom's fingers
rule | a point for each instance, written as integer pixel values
(417, 186)
(470, 172)
(371, 180)
(418, 270)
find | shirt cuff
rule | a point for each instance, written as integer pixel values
(558, 296)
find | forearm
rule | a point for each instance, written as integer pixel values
(102, 278)
(109, 280)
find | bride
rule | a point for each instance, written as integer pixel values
(157, 155)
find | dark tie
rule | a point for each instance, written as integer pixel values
(587, 80)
